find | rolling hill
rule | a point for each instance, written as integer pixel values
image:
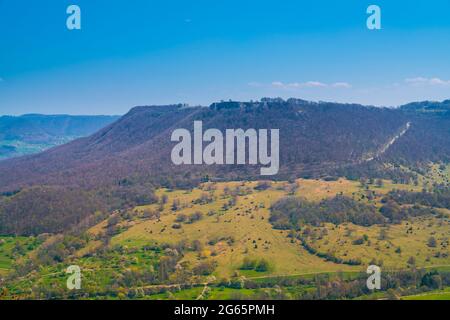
(358, 185)
(317, 140)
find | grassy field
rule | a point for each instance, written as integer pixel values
(98, 272)
(230, 234)
(436, 173)
(401, 242)
(433, 295)
(12, 248)
(234, 225)
(221, 293)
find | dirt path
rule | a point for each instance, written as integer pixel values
(386, 146)
(200, 297)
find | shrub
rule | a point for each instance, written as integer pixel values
(248, 264)
(358, 241)
(195, 217)
(181, 218)
(432, 242)
(262, 266)
(205, 268)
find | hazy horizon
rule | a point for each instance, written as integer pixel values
(203, 106)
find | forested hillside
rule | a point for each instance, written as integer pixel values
(317, 140)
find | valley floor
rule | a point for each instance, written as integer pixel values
(211, 242)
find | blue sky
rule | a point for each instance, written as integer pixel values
(199, 51)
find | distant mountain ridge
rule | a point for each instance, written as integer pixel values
(32, 133)
(315, 139)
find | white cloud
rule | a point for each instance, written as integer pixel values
(278, 84)
(422, 81)
(255, 84)
(312, 84)
(345, 85)
(309, 84)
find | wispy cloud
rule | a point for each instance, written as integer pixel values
(345, 85)
(255, 84)
(309, 84)
(422, 81)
